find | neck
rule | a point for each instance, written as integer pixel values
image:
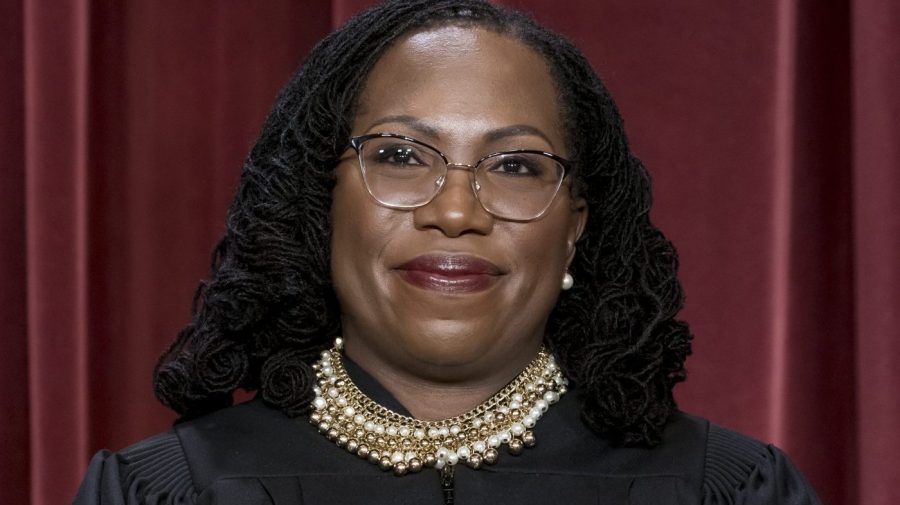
(431, 398)
(432, 401)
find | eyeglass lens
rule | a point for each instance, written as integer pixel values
(404, 174)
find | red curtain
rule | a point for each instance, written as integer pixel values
(769, 127)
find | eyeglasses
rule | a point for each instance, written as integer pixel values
(403, 173)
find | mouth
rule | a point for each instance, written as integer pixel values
(450, 273)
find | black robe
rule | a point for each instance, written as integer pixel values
(252, 454)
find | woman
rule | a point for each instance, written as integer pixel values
(440, 256)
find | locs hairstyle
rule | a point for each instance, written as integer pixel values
(268, 308)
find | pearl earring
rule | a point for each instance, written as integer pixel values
(568, 281)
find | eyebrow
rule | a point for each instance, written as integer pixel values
(410, 121)
(516, 130)
(420, 126)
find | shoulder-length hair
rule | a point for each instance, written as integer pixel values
(268, 308)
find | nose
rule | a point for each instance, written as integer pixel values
(455, 211)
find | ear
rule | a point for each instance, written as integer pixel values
(577, 222)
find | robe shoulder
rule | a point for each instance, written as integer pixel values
(740, 469)
(153, 471)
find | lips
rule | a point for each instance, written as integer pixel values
(450, 273)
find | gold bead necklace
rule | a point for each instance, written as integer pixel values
(404, 444)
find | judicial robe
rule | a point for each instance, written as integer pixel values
(253, 454)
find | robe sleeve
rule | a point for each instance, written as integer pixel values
(743, 471)
(152, 472)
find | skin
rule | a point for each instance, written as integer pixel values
(441, 354)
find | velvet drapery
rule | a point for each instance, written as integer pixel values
(770, 128)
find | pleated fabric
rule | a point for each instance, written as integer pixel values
(741, 470)
(152, 472)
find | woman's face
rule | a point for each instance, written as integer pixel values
(448, 292)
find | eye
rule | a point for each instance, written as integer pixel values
(399, 154)
(517, 165)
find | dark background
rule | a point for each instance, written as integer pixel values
(770, 128)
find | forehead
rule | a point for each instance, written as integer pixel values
(463, 80)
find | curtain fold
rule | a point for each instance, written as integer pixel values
(14, 431)
(876, 226)
(814, 395)
(56, 179)
(770, 130)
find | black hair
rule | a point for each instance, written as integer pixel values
(268, 308)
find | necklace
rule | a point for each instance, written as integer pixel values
(404, 444)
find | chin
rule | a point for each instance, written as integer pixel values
(448, 350)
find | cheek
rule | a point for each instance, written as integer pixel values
(540, 260)
(361, 233)
(542, 256)
(357, 234)
(544, 249)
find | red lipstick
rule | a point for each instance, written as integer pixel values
(450, 273)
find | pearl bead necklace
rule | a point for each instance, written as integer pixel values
(404, 444)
